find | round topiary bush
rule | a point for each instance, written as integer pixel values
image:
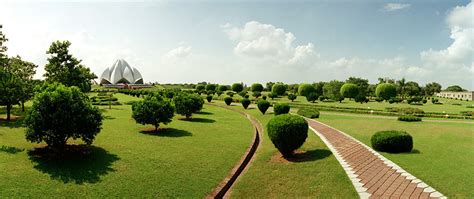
(349, 90)
(291, 97)
(281, 108)
(287, 132)
(386, 91)
(305, 89)
(257, 87)
(228, 100)
(392, 141)
(264, 97)
(309, 112)
(245, 103)
(278, 89)
(237, 87)
(263, 105)
(209, 98)
(409, 118)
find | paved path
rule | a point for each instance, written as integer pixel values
(372, 175)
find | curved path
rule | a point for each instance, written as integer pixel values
(372, 175)
(224, 188)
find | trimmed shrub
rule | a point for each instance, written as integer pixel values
(386, 91)
(257, 87)
(228, 100)
(305, 89)
(211, 87)
(409, 118)
(223, 88)
(278, 89)
(256, 94)
(264, 97)
(309, 112)
(281, 108)
(392, 141)
(272, 95)
(287, 132)
(209, 98)
(237, 87)
(349, 90)
(187, 104)
(230, 93)
(245, 103)
(263, 105)
(242, 93)
(292, 97)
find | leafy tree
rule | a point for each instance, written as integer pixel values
(256, 94)
(200, 88)
(293, 88)
(319, 88)
(279, 89)
(386, 91)
(454, 88)
(10, 90)
(223, 88)
(311, 97)
(25, 71)
(256, 87)
(306, 89)
(401, 84)
(361, 99)
(3, 48)
(332, 90)
(272, 95)
(242, 93)
(412, 89)
(153, 110)
(349, 90)
(245, 103)
(211, 87)
(60, 113)
(237, 87)
(362, 84)
(62, 67)
(263, 105)
(291, 97)
(269, 85)
(432, 88)
(187, 104)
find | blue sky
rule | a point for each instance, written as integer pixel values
(250, 41)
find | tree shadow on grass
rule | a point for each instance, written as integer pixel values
(201, 120)
(108, 117)
(75, 164)
(307, 156)
(204, 113)
(15, 122)
(10, 149)
(166, 132)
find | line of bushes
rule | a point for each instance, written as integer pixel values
(409, 118)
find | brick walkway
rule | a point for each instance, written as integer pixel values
(372, 175)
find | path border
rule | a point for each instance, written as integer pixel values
(225, 186)
(361, 190)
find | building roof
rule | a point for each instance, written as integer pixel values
(121, 73)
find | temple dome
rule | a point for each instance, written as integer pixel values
(121, 73)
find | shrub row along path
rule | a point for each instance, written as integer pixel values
(394, 117)
(372, 175)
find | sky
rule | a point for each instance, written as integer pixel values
(253, 41)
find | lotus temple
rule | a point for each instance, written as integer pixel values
(122, 75)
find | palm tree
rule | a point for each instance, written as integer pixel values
(402, 84)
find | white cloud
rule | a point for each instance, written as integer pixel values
(179, 52)
(395, 6)
(258, 40)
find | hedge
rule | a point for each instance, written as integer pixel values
(281, 108)
(309, 112)
(392, 141)
(409, 118)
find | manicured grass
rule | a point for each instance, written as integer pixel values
(318, 175)
(443, 152)
(188, 160)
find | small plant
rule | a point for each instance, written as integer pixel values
(287, 133)
(209, 98)
(228, 100)
(281, 108)
(245, 103)
(263, 106)
(309, 112)
(392, 141)
(409, 118)
(292, 97)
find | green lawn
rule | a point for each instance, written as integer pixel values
(318, 175)
(189, 159)
(443, 152)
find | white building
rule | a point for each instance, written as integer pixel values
(464, 95)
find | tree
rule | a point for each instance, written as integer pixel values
(279, 89)
(269, 85)
(256, 87)
(237, 87)
(332, 90)
(454, 88)
(363, 85)
(263, 105)
(386, 91)
(306, 89)
(401, 84)
(412, 89)
(11, 89)
(211, 87)
(223, 88)
(62, 67)
(272, 95)
(153, 110)
(291, 97)
(349, 90)
(311, 97)
(200, 88)
(432, 88)
(256, 94)
(25, 71)
(3, 48)
(60, 113)
(319, 87)
(187, 104)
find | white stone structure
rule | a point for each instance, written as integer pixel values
(464, 95)
(121, 73)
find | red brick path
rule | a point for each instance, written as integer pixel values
(371, 174)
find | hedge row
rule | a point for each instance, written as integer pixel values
(309, 112)
(409, 118)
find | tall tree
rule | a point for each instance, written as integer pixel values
(432, 88)
(332, 90)
(64, 68)
(3, 48)
(412, 89)
(25, 71)
(10, 90)
(362, 84)
(401, 84)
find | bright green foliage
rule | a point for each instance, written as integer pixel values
(263, 105)
(228, 100)
(209, 98)
(281, 108)
(153, 110)
(272, 95)
(223, 88)
(305, 89)
(291, 97)
(287, 132)
(256, 94)
(392, 141)
(187, 104)
(59, 113)
(409, 118)
(257, 87)
(237, 87)
(25, 71)
(10, 90)
(309, 112)
(386, 91)
(211, 87)
(245, 103)
(332, 90)
(349, 90)
(311, 97)
(279, 89)
(62, 67)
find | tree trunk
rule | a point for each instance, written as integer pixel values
(22, 106)
(9, 108)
